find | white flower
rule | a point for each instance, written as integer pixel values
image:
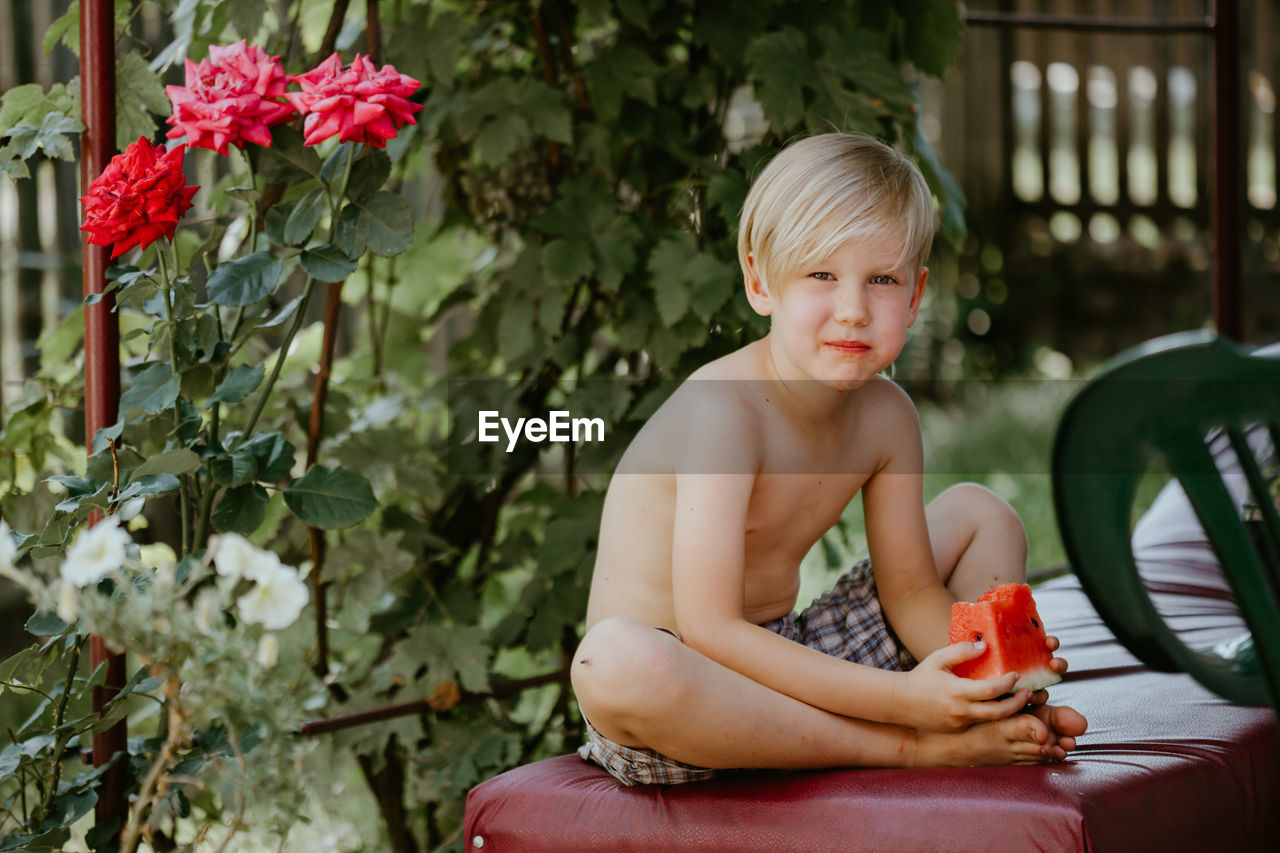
(236, 557)
(97, 552)
(8, 551)
(207, 610)
(68, 608)
(268, 651)
(275, 600)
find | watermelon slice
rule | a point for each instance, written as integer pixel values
(1006, 618)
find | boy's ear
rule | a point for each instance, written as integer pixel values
(757, 294)
(917, 295)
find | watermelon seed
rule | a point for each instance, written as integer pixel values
(1034, 622)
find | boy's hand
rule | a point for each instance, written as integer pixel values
(1058, 665)
(939, 701)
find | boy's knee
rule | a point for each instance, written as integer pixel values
(622, 663)
(984, 510)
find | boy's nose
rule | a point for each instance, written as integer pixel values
(851, 307)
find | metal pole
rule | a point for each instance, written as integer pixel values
(1227, 199)
(101, 352)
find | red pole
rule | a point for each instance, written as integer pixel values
(101, 349)
(1227, 200)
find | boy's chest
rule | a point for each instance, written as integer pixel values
(790, 511)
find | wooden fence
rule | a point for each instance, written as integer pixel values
(1091, 151)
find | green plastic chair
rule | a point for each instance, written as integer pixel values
(1160, 401)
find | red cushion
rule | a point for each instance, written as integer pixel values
(1165, 765)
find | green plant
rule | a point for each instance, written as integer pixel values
(588, 177)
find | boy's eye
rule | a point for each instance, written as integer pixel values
(822, 276)
(884, 279)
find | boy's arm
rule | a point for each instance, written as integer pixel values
(708, 571)
(915, 601)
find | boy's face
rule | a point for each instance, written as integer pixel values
(844, 319)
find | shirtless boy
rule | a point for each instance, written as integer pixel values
(693, 659)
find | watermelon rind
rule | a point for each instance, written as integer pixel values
(1037, 679)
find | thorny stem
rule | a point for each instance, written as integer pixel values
(184, 501)
(315, 427)
(308, 290)
(59, 714)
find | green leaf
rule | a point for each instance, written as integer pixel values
(330, 498)
(275, 455)
(385, 223)
(240, 383)
(501, 116)
(178, 461)
(23, 104)
(289, 159)
(780, 62)
(350, 239)
(515, 330)
(139, 97)
(667, 266)
(145, 487)
(327, 263)
(45, 625)
(11, 165)
(66, 30)
(245, 280)
(933, 35)
(336, 163)
(10, 665)
(302, 220)
(501, 135)
(566, 261)
(246, 16)
(153, 390)
(236, 468)
(445, 45)
(621, 71)
(368, 174)
(241, 510)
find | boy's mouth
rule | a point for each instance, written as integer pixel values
(849, 346)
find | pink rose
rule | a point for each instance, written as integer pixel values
(230, 98)
(358, 103)
(138, 198)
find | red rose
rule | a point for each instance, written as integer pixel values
(138, 198)
(358, 103)
(229, 98)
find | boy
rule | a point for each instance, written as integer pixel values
(693, 659)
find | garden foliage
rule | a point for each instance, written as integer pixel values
(582, 176)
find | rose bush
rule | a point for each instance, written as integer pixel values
(200, 613)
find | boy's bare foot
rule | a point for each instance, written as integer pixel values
(1064, 725)
(1020, 739)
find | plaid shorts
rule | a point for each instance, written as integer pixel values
(845, 622)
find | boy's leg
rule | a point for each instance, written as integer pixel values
(978, 540)
(979, 543)
(642, 687)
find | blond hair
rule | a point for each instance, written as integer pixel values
(824, 191)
